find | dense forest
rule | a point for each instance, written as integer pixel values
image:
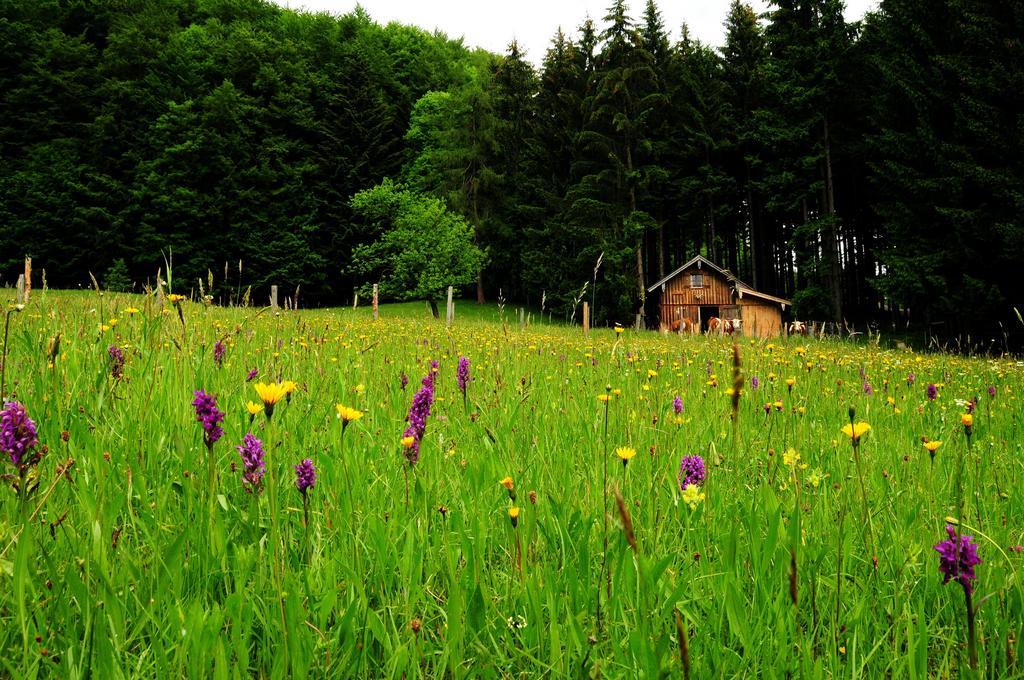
(869, 170)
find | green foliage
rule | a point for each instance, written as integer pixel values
(419, 247)
(117, 279)
(859, 167)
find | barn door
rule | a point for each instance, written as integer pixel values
(731, 312)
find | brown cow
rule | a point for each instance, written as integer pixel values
(724, 326)
(681, 326)
(798, 328)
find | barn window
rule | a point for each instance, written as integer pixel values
(696, 280)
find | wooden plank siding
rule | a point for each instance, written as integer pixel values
(760, 320)
(679, 300)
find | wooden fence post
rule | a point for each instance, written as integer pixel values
(586, 319)
(28, 278)
(450, 317)
(21, 289)
(273, 297)
(375, 302)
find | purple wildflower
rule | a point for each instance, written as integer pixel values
(116, 362)
(972, 404)
(868, 389)
(992, 391)
(404, 379)
(462, 374)
(677, 405)
(959, 564)
(17, 433)
(218, 352)
(251, 451)
(691, 471)
(419, 411)
(305, 476)
(209, 415)
(754, 383)
(910, 379)
(932, 392)
(252, 374)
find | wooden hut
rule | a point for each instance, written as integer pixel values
(700, 290)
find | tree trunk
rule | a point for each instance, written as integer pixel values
(754, 250)
(661, 251)
(433, 309)
(480, 287)
(640, 240)
(831, 234)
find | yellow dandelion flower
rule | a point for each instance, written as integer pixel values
(407, 442)
(855, 432)
(932, 445)
(270, 394)
(253, 408)
(625, 453)
(346, 414)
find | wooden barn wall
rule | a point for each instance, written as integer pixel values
(679, 297)
(761, 320)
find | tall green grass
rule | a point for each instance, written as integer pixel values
(124, 567)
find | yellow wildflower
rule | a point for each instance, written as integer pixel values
(270, 394)
(347, 415)
(855, 432)
(692, 496)
(625, 453)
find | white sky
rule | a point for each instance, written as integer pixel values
(492, 24)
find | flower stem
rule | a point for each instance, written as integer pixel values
(972, 644)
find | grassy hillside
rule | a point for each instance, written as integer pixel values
(134, 548)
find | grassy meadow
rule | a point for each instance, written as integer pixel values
(134, 549)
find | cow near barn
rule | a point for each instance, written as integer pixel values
(723, 326)
(798, 328)
(681, 326)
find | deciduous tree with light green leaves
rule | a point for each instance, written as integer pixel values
(419, 247)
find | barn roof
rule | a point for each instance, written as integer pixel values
(740, 287)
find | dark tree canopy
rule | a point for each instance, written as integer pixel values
(869, 171)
